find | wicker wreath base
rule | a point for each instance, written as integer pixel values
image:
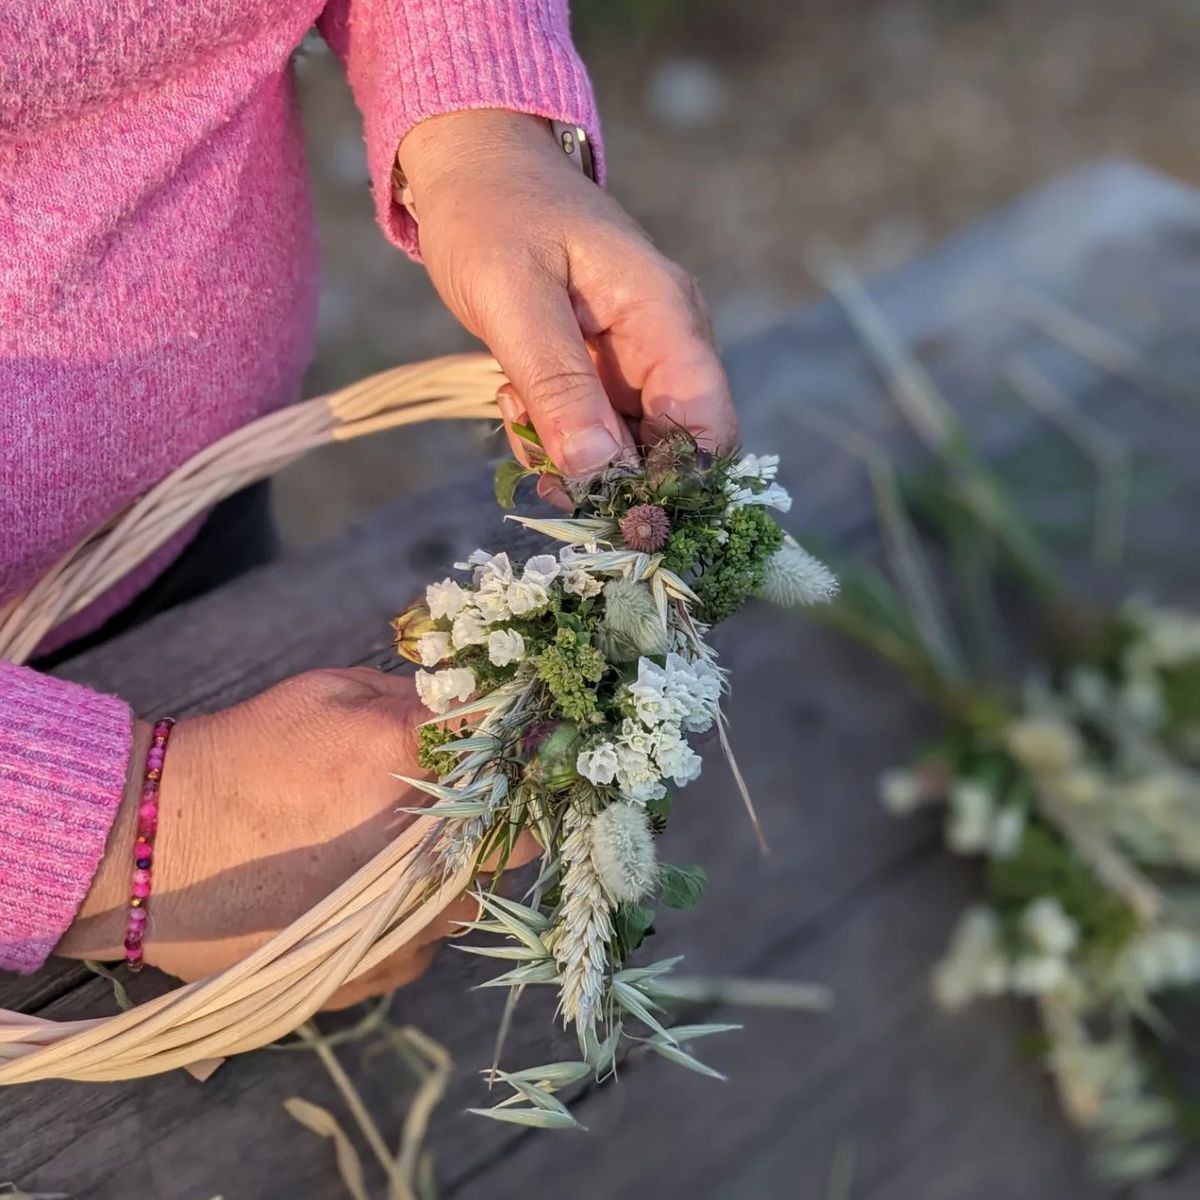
(370, 917)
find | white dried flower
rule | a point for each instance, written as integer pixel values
(599, 764)
(577, 582)
(526, 597)
(493, 569)
(491, 602)
(446, 599)
(1142, 701)
(972, 810)
(584, 927)
(795, 577)
(433, 647)
(541, 569)
(1038, 974)
(505, 646)
(468, 629)
(1048, 927)
(675, 758)
(1045, 745)
(974, 964)
(638, 779)
(1008, 828)
(623, 852)
(900, 791)
(1079, 786)
(1162, 958)
(437, 690)
(1088, 688)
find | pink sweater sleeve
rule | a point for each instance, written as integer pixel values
(64, 752)
(412, 59)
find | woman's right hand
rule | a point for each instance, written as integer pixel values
(264, 809)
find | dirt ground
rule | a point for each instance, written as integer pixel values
(738, 131)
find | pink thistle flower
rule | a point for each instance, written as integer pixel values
(645, 528)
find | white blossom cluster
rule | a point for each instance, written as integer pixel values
(478, 615)
(756, 468)
(668, 701)
(978, 963)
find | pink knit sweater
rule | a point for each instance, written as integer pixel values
(157, 290)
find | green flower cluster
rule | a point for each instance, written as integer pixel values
(737, 571)
(430, 740)
(570, 667)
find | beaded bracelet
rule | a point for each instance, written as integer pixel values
(143, 848)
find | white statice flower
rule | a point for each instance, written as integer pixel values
(491, 601)
(433, 647)
(675, 758)
(623, 852)
(1142, 701)
(1088, 688)
(758, 469)
(1038, 974)
(795, 577)
(972, 811)
(1046, 924)
(1162, 958)
(974, 964)
(446, 599)
(649, 694)
(438, 690)
(468, 629)
(900, 791)
(1008, 828)
(526, 597)
(493, 569)
(636, 737)
(542, 569)
(505, 646)
(570, 556)
(638, 779)
(1044, 745)
(693, 690)
(578, 582)
(599, 764)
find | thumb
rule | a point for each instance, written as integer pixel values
(537, 340)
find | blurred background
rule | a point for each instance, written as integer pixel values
(736, 132)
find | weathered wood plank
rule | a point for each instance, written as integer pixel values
(794, 688)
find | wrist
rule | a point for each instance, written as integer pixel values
(443, 147)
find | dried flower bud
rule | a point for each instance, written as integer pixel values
(554, 761)
(645, 528)
(793, 576)
(632, 624)
(407, 630)
(623, 852)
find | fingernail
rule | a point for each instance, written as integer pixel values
(588, 450)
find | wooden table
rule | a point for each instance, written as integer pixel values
(928, 1107)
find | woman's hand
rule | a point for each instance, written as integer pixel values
(606, 342)
(265, 808)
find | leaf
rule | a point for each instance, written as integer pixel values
(559, 1074)
(527, 433)
(683, 1059)
(686, 1033)
(509, 474)
(518, 912)
(681, 887)
(323, 1123)
(633, 1002)
(516, 953)
(538, 972)
(632, 924)
(639, 974)
(120, 995)
(539, 1118)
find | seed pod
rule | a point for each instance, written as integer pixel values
(553, 766)
(407, 629)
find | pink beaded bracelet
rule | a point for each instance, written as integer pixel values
(143, 848)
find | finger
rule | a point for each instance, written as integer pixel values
(539, 344)
(551, 489)
(513, 412)
(662, 346)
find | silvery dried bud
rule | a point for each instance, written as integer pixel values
(632, 619)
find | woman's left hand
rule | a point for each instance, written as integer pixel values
(607, 343)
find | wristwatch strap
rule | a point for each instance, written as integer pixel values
(572, 140)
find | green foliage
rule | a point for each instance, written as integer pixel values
(681, 887)
(570, 667)
(1045, 866)
(738, 570)
(430, 739)
(509, 474)
(632, 925)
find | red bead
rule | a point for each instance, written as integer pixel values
(133, 941)
(141, 876)
(141, 891)
(134, 958)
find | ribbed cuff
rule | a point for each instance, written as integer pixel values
(425, 58)
(64, 754)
